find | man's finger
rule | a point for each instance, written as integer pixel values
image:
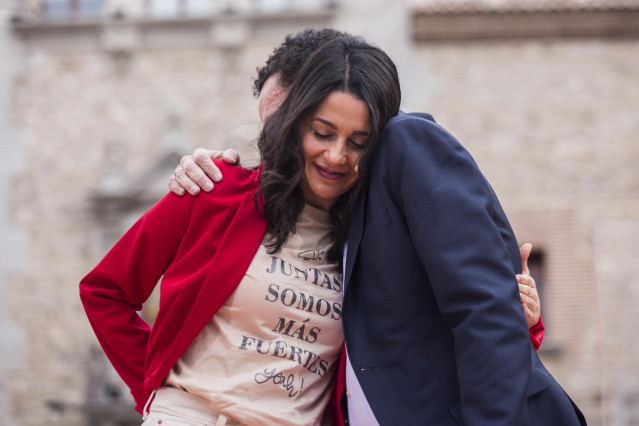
(213, 154)
(526, 280)
(196, 176)
(524, 252)
(523, 288)
(528, 311)
(231, 156)
(183, 179)
(203, 168)
(527, 300)
(175, 187)
(523, 279)
(531, 317)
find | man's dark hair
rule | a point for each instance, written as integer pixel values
(289, 57)
(346, 64)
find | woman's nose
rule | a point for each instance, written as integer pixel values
(336, 153)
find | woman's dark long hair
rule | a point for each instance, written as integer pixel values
(349, 65)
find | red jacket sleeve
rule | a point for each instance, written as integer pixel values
(115, 289)
(536, 333)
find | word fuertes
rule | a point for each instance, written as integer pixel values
(307, 359)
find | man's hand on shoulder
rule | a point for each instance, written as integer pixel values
(198, 170)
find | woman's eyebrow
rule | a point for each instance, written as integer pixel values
(328, 123)
(333, 126)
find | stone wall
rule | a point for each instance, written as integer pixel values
(80, 111)
(11, 259)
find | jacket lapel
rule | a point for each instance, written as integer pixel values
(233, 257)
(354, 236)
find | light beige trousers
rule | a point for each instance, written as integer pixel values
(173, 407)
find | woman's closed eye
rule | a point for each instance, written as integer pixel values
(326, 136)
(356, 144)
(320, 135)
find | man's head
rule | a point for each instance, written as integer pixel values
(275, 78)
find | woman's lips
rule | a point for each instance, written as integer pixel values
(329, 174)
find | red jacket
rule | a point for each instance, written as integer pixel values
(202, 246)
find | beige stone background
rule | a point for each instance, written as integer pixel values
(96, 111)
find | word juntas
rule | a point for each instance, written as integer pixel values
(311, 275)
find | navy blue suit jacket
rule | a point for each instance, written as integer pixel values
(432, 316)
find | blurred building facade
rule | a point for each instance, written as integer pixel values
(101, 98)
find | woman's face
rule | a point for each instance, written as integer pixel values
(333, 138)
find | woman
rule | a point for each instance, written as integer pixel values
(249, 323)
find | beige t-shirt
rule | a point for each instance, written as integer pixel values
(269, 354)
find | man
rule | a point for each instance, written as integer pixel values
(271, 86)
(432, 325)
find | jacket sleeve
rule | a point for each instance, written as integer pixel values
(536, 333)
(115, 289)
(460, 232)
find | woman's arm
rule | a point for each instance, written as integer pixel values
(113, 292)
